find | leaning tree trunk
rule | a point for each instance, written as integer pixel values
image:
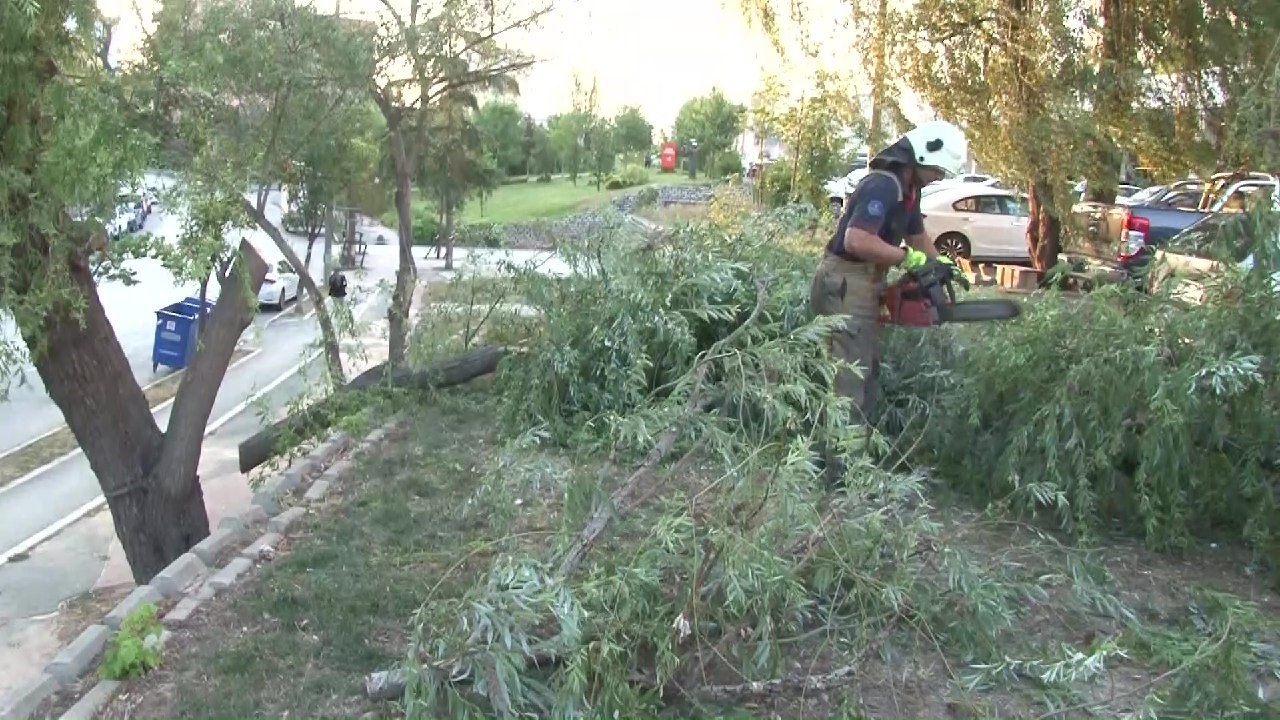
(402, 295)
(313, 234)
(1044, 228)
(147, 477)
(447, 231)
(328, 335)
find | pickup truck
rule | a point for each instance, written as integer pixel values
(1201, 250)
(1130, 233)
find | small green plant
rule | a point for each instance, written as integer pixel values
(135, 649)
(647, 197)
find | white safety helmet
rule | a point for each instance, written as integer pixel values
(939, 144)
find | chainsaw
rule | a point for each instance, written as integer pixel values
(926, 296)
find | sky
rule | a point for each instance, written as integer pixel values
(655, 54)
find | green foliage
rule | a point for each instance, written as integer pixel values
(711, 120)
(631, 176)
(1117, 410)
(728, 165)
(483, 235)
(135, 649)
(426, 225)
(817, 128)
(69, 141)
(502, 135)
(647, 197)
(634, 133)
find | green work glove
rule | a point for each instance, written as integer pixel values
(956, 275)
(914, 260)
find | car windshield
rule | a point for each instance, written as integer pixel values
(1223, 237)
(1147, 194)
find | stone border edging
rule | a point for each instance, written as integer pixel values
(195, 578)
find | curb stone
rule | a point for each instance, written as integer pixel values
(19, 704)
(178, 582)
(282, 522)
(181, 572)
(78, 656)
(93, 701)
(140, 596)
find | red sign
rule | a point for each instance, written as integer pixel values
(668, 157)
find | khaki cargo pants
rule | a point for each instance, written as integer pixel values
(851, 289)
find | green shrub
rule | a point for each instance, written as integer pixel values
(634, 175)
(426, 226)
(135, 649)
(486, 235)
(728, 164)
(647, 197)
(293, 222)
(629, 176)
(1118, 410)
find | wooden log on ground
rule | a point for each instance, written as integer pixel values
(266, 443)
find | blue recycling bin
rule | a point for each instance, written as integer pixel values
(175, 342)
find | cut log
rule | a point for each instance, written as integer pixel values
(306, 423)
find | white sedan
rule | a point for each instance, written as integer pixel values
(971, 220)
(280, 285)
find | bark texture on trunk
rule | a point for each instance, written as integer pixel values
(148, 478)
(1044, 229)
(447, 231)
(329, 336)
(304, 424)
(402, 295)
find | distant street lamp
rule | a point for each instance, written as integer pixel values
(693, 158)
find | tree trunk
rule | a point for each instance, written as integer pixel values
(307, 422)
(147, 477)
(1044, 229)
(328, 335)
(402, 295)
(876, 140)
(447, 231)
(312, 235)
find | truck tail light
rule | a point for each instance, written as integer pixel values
(1133, 235)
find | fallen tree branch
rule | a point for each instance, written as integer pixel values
(457, 370)
(805, 683)
(389, 684)
(666, 441)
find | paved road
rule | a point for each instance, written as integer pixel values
(28, 413)
(30, 507)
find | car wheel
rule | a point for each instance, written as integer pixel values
(953, 245)
(282, 299)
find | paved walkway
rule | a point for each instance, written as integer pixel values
(87, 556)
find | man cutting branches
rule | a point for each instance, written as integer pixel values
(881, 212)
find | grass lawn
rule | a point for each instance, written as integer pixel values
(422, 519)
(540, 201)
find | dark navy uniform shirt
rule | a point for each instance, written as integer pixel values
(874, 207)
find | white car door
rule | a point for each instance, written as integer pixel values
(1014, 238)
(981, 219)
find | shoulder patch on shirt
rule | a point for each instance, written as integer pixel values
(875, 208)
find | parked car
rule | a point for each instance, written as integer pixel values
(1127, 231)
(279, 286)
(979, 221)
(1203, 249)
(839, 188)
(1201, 237)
